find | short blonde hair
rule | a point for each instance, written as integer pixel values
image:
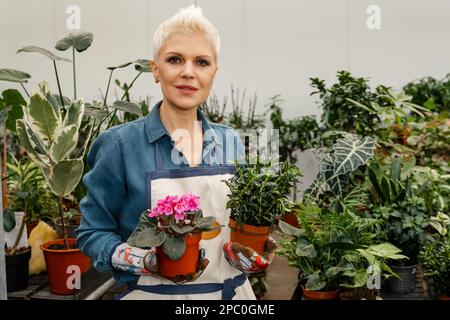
(187, 21)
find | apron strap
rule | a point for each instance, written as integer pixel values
(228, 288)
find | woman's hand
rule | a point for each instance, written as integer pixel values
(248, 260)
(145, 262)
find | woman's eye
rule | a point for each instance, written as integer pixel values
(174, 60)
(203, 62)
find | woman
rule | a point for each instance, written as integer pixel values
(131, 167)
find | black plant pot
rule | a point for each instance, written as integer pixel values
(407, 281)
(17, 271)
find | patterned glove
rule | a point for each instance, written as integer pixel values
(135, 260)
(248, 260)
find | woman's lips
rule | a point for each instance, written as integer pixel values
(188, 90)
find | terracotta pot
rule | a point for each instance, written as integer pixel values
(320, 295)
(249, 236)
(187, 264)
(291, 218)
(17, 270)
(58, 262)
(443, 298)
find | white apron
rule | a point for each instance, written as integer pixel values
(219, 280)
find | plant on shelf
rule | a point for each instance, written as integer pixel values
(435, 257)
(296, 134)
(339, 113)
(174, 226)
(333, 250)
(258, 193)
(431, 93)
(213, 110)
(334, 186)
(404, 213)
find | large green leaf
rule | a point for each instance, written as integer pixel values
(9, 219)
(126, 106)
(147, 238)
(350, 153)
(43, 117)
(13, 98)
(290, 230)
(181, 230)
(174, 248)
(307, 250)
(204, 222)
(386, 250)
(64, 143)
(314, 283)
(84, 135)
(123, 65)
(143, 65)
(43, 51)
(145, 222)
(12, 75)
(74, 114)
(79, 40)
(36, 153)
(64, 176)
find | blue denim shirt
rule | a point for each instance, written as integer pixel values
(118, 160)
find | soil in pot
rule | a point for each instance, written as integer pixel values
(17, 269)
(187, 264)
(249, 236)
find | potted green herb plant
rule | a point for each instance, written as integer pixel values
(174, 226)
(258, 193)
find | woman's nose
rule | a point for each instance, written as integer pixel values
(188, 70)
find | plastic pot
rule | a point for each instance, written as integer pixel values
(62, 264)
(187, 264)
(249, 236)
(17, 270)
(407, 281)
(320, 295)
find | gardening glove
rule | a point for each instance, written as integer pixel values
(145, 262)
(248, 260)
(135, 260)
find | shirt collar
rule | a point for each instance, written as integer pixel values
(155, 128)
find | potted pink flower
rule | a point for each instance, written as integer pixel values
(174, 226)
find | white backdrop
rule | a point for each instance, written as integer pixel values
(268, 47)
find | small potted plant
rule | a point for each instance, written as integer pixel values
(435, 257)
(174, 226)
(17, 254)
(258, 193)
(53, 141)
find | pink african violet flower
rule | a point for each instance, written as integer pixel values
(171, 204)
(180, 216)
(179, 208)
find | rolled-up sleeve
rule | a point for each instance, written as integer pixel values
(98, 233)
